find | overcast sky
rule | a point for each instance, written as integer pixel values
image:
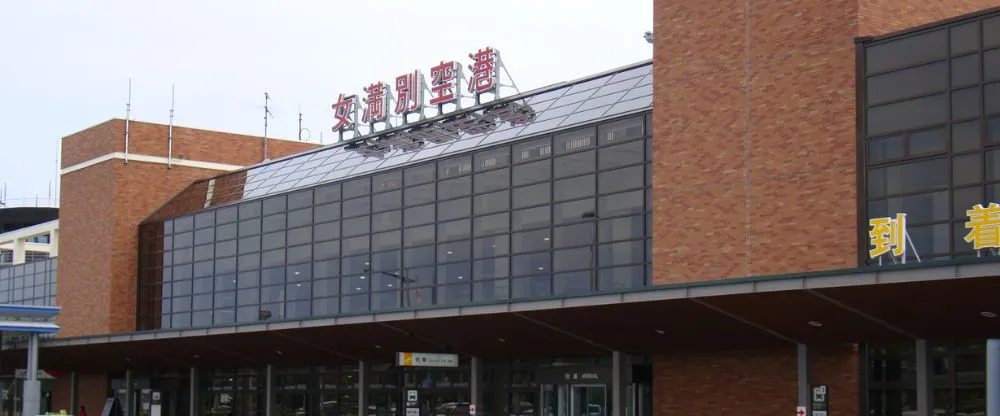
(65, 65)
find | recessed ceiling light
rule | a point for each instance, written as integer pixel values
(449, 252)
(660, 331)
(501, 340)
(358, 288)
(277, 352)
(988, 314)
(546, 239)
(816, 324)
(298, 273)
(378, 346)
(541, 268)
(298, 285)
(460, 277)
(390, 284)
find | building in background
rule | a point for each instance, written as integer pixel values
(788, 209)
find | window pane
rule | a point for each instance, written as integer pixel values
(618, 254)
(908, 114)
(491, 268)
(492, 181)
(621, 179)
(572, 188)
(419, 215)
(491, 202)
(620, 204)
(621, 278)
(531, 218)
(964, 38)
(967, 169)
(357, 206)
(386, 201)
(454, 251)
(454, 167)
(387, 221)
(908, 83)
(572, 259)
(575, 164)
(530, 287)
(621, 130)
(621, 155)
(538, 240)
(419, 194)
(626, 228)
(528, 196)
(456, 208)
(965, 70)
(572, 283)
(929, 141)
(966, 103)
(419, 174)
(532, 172)
(573, 211)
(907, 178)
(491, 246)
(387, 181)
(918, 208)
(907, 51)
(573, 235)
(454, 230)
(574, 140)
(991, 92)
(454, 188)
(965, 136)
(418, 235)
(491, 224)
(532, 149)
(357, 187)
(526, 264)
(493, 158)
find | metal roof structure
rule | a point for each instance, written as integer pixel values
(562, 106)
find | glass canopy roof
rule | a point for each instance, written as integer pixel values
(606, 95)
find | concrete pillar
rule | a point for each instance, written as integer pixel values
(31, 401)
(364, 379)
(74, 405)
(993, 377)
(621, 379)
(54, 243)
(20, 252)
(475, 383)
(924, 392)
(269, 391)
(194, 398)
(804, 364)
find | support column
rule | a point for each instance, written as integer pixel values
(128, 393)
(364, 379)
(804, 364)
(20, 251)
(31, 401)
(269, 391)
(74, 406)
(54, 243)
(621, 379)
(193, 397)
(993, 377)
(475, 383)
(924, 403)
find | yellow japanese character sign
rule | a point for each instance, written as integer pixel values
(984, 226)
(887, 234)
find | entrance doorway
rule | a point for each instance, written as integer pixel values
(575, 400)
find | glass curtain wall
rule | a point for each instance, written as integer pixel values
(958, 378)
(932, 131)
(558, 214)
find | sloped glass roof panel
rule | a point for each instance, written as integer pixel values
(606, 95)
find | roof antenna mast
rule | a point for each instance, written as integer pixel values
(267, 114)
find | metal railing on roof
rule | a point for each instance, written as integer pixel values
(36, 202)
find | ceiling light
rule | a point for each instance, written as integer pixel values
(363, 277)
(389, 284)
(501, 340)
(546, 238)
(197, 356)
(459, 277)
(297, 273)
(816, 324)
(378, 347)
(541, 268)
(277, 352)
(358, 288)
(660, 331)
(988, 314)
(449, 252)
(298, 285)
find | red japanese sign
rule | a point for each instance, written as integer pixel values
(409, 92)
(443, 82)
(342, 111)
(483, 77)
(377, 103)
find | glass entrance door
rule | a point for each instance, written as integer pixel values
(574, 400)
(588, 400)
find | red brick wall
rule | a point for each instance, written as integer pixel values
(878, 17)
(102, 205)
(749, 383)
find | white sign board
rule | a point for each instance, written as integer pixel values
(819, 413)
(472, 410)
(412, 411)
(421, 359)
(411, 395)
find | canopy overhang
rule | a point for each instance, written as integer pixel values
(898, 303)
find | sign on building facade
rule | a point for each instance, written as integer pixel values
(888, 235)
(413, 97)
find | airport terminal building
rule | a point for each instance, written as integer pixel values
(787, 210)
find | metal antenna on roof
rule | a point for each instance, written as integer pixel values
(267, 114)
(170, 131)
(308, 133)
(649, 36)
